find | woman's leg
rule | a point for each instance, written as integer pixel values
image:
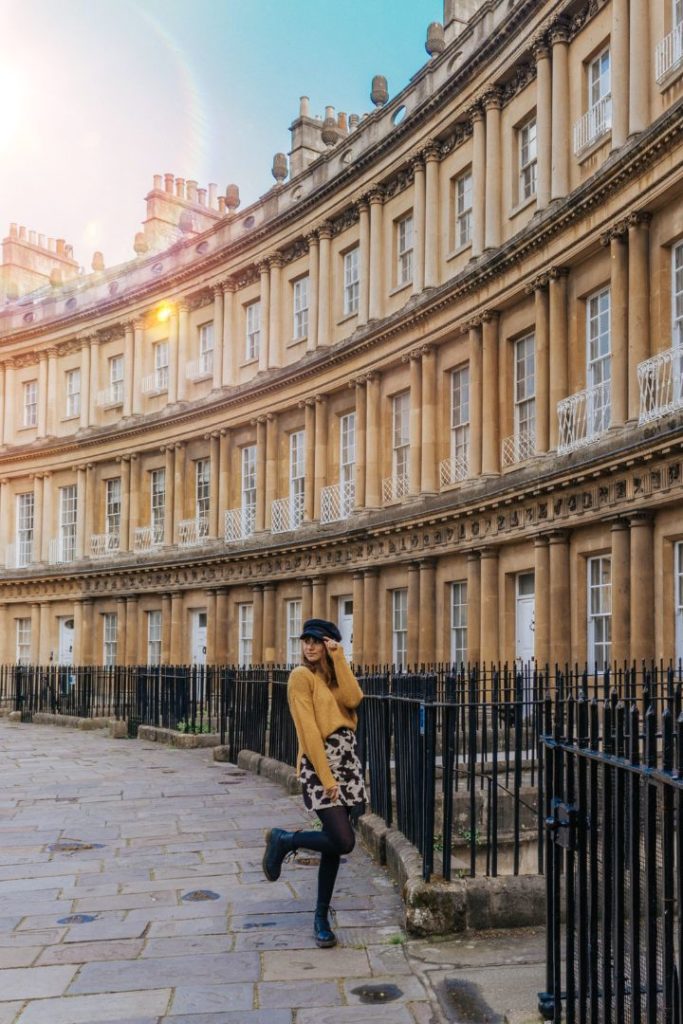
(337, 826)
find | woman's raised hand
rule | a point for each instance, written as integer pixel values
(330, 645)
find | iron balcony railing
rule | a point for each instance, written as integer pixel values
(584, 417)
(111, 396)
(337, 501)
(453, 470)
(660, 380)
(149, 538)
(155, 383)
(61, 549)
(287, 513)
(395, 488)
(597, 121)
(669, 53)
(102, 545)
(192, 532)
(518, 447)
(238, 524)
(197, 369)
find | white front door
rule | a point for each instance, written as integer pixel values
(199, 638)
(66, 641)
(524, 623)
(345, 612)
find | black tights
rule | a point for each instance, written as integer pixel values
(336, 838)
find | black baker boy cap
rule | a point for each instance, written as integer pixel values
(320, 629)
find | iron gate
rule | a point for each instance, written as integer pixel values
(613, 784)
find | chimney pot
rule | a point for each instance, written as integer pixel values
(13, 231)
(32, 237)
(140, 245)
(168, 182)
(341, 121)
(52, 245)
(60, 247)
(157, 183)
(304, 107)
(221, 204)
(180, 188)
(329, 112)
(22, 232)
(213, 189)
(97, 262)
(353, 121)
(192, 191)
(41, 241)
(201, 196)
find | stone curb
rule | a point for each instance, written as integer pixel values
(65, 721)
(431, 908)
(184, 740)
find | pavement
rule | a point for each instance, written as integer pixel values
(131, 892)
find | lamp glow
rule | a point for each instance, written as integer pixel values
(164, 313)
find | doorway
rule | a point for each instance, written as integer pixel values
(345, 613)
(524, 618)
(65, 654)
(198, 634)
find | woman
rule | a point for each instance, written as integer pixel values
(323, 694)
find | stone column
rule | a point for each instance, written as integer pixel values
(619, 323)
(619, 71)
(221, 649)
(478, 181)
(94, 343)
(413, 647)
(120, 631)
(427, 641)
(363, 262)
(131, 654)
(621, 591)
(3, 404)
(558, 347)
(257, 643)
(138, 340)
(178, 648)
(541, 51)
(264, 345)
(269, 630)
(166, 614)
(432, 237)
(8, 410)
(638, 304)
(376, 295)
(313, 291)
(321, 431)
(541, 601)
(372, 442)
(542, 342)
(78, 632)
(492, 105)
(260, 516)
(211, 628)
(169, 498)
(223, 478)
(47, 514)
(88, 510)
(473, 606)
(179, 489)
(324, 234)
(230, 340)
(489, 606)
(561, 143)
(310, 457)
(370, 602)
(125, 470)
(183, 349)
(173, 356)
(306, 599)
(320, 597)
(214, 478)
(642, 584)
(88, 641)
(639, 65)
(418, 225)
(415, 458)
(218, 328)
(81, 499)
(490, 434)
(41, 425)
(560, 618)
(475, 397)
(275, 318)
(135, 471)
(40, 531)
(429, 447)
(36, 620)
(128, 368)
(358, 653)
(52, 412)
(271, 465)
(361, 423)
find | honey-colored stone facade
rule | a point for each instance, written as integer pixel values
(454, 422)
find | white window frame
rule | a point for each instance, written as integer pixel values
(459, 622)
(399, 627)
(460, 412)
(24, 640)
(154, 632)
(528, 159)
(297, 476)
(112, 506)
(347, 448)
(109, 638)
(157, 504)
(160, 350)
(293, 630)
(72, 388)
(245, 634)
(248, 478)
(400, 435)
(599, 77)
(252, 338)
(678, 601)
(68, 520)
(116, 378)
(525, 387)
(26, 504)
(300, 298)
(202, 488)
(405, 241)
(352, 281)
(677, 294)
(206, 347)
(599, 360)
(30, 418)
(599, 605)
(463, 208)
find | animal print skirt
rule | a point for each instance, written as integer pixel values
(340, 748)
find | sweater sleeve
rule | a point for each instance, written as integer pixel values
(349, 692)
(301, 707)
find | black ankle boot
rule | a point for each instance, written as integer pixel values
(278, 845)
(324, 936)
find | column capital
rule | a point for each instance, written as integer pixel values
(138, 324)
(217, 289)
(639, 219)
(474, 324)
(52, 351)
(129, 325)
(229, 284)
(489, 552)
(427, 563)
(558, 536)
(618, 525)
(538, 284)
(473, 555)
(321, 399)
(311, 237)
(555, 273)
(375, 195)
(540, 47)
(123, 458)
(324, 230)
(476, 112)
(357, 383)
(431, 151)
(373, 376)
(183, 306)
(559, 31)
(492, 98)
(487, 316)
(541, 540)
(642, 518)
(416, 160)
(616, 233)
(275, 260)
(263, 266)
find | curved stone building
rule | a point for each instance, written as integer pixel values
(429, 385)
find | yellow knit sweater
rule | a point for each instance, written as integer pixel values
(319, 710)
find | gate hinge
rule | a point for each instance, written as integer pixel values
(563, 823)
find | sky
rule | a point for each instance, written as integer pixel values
(97, 96)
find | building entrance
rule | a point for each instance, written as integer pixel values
(345, 612)
(198, 638)
(65, 654)
(524, 625)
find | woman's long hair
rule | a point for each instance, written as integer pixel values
(324, 668)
